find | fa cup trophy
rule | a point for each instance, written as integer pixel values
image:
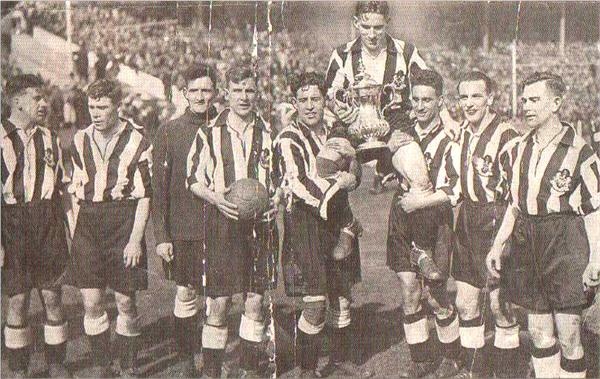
(370, 126)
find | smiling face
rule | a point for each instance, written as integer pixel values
(372, 30)
(242, 96)
(32, 104)
(426, 104)
(310, 103)
(539, 104)
(104, 114)
(474, 99)
(199, 93)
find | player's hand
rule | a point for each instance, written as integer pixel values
(227, 208)
(341, 146)
(346, 180)
(399, 139)
(132, 254)
(591, 275)
(493, 261)
(410, 202)
(345, 112)
(273, 206)
(451, 127)
(287, 115)
(165, 251)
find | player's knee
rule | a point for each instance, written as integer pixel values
(18, 306)
(53, 305)
(312, 319)
(186, 294)
(253, 307)
(502, 312)
(468, 308)
(126, 304)
(186, 302)
(570, 343)
(542, 336)
(216, 314)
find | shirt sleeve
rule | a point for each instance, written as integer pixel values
(142, 177)
(334, 79)
(449, 175)
(161, 178)
(589, 188)
(506, 160)
(200, 165)
(314, 191)
(416, 60)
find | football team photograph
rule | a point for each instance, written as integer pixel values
(262, 189)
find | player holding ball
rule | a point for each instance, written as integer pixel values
(240, 252)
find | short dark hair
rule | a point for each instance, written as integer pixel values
(429, 78)
(474, 76)
(106, 88)
(200, 71)
(379, 7)
(20, 83)
(553, 82)
(238, 73)
(311, 78)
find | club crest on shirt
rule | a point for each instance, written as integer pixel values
(49, 158)
(483, 166)
(561, 182)
(428, 160)
(264, 158)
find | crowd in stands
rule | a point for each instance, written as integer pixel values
(162, 48)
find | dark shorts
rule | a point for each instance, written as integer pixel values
(429, 228)
(102, 232)
(548, 257)
(307, 264)
(476, 228)
(241, 256)
(35, 247)
(187, 266)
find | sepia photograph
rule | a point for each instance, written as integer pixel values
(265, 189)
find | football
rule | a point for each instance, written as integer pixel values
(250, 196)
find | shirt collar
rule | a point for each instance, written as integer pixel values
(488, 120)
(306, 130)
(123, 125)
(200, 118)
(422, 134)
(567, 139)
(356, 46)
(221, 120)
(10, 128)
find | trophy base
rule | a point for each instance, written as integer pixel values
(371, 150)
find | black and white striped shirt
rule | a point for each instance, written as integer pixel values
(32, 167)
(400, 58)
(222, 156)
(122, 172)
(480, 175)
(561, 177)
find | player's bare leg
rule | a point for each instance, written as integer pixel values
(545, 352)
(186, 321)
(214, 336)
(416, 330)
(17, 335)
(128, 332)
(572, 363)
(55, 333)
(506, 337)
(96, 325)
(471, 328)
(252, 327)
(446, 325)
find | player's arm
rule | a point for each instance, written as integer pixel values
(200, 170)
(447, 184)
(494, 258)
(590, 207)
(316, 192)
(161, 177)
(142, 186)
